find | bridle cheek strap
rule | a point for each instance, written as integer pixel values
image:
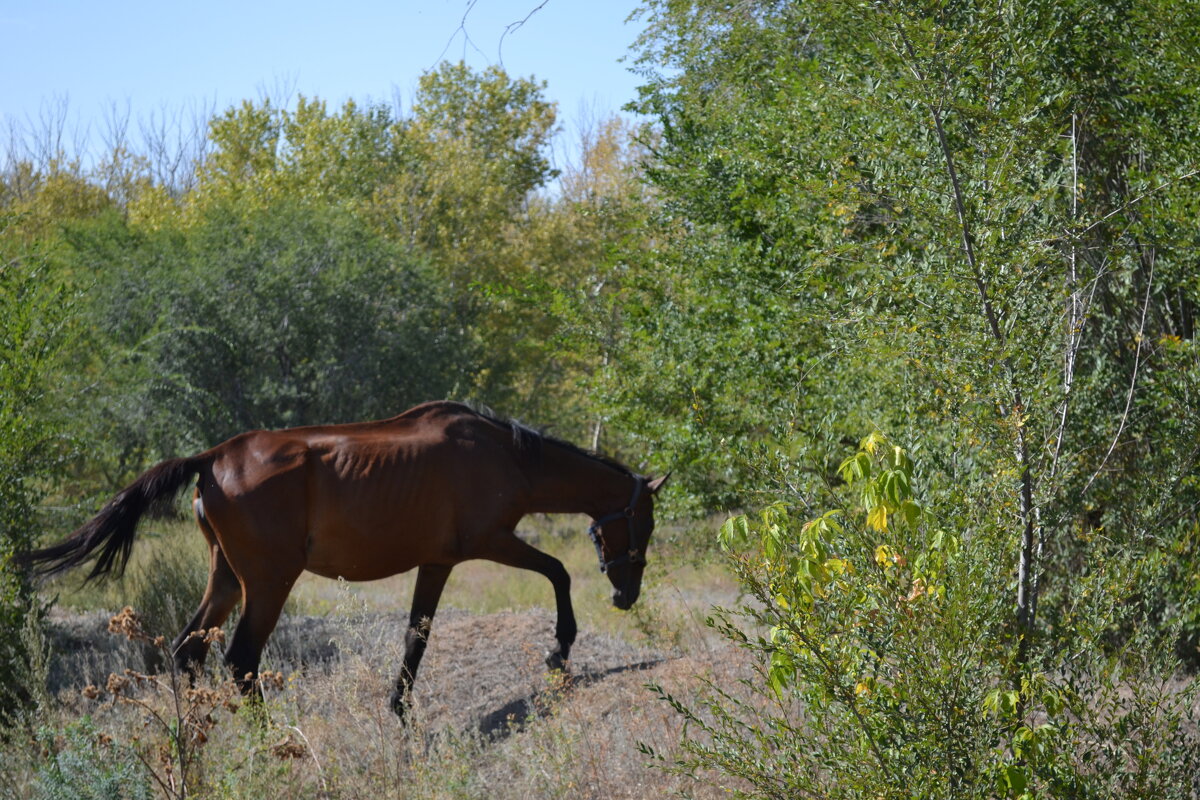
(635, 554)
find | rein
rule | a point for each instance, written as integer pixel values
(635, 554)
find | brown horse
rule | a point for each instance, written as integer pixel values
(435, 486)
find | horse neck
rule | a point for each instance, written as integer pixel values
(572, 482)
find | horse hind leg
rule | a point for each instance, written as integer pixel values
(431, 579)
(262, 538)
(220, 596)
(263, 603)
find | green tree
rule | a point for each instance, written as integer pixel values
(579, 249)
(920, 195)
(34, 316)
(295, 314)
(968, 225)
(477, 149)
(325, 266)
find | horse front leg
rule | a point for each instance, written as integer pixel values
(431, 579)
(514, 552)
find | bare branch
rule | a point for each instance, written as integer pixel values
(1137, 360)
(462, 28)
(513, 27)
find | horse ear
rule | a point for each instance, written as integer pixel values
(657, 483)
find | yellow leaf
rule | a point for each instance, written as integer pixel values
(872, 441)
(877, 518)
(839, 566)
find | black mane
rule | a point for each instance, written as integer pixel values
(529, 441)
(592, 454)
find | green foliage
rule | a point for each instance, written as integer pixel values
(479, 141)
(887, 669)
(326, 266)
(87, 765)
(968, 222)
(290, 316)
(881, 625)
(973, 225)
(33, 326)
(581, 256)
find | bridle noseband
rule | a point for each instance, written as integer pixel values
(635, 554)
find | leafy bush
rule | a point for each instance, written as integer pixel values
(295, 314)
(889, 670)
(33, 319)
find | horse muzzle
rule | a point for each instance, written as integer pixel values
(624, 599)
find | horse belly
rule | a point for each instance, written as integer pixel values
(373, 536)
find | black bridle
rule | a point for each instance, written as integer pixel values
(636, 554)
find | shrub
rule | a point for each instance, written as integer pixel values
(889, 668)
(32, 328)
(89, 765)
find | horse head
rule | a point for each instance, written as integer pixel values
(621, 539)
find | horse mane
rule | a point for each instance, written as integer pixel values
(608, 461)
(529, 441)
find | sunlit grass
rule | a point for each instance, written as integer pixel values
(165, 578)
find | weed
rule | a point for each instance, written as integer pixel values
(88, 765)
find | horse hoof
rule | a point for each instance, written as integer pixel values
(555, 662)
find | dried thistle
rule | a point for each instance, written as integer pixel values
(288, 747)
(140, 678)
(116, 684)
(272, 679)
(203, 696)
(129, 624)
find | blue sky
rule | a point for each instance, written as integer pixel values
(155, 57)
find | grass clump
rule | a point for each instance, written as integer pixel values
(81, 763)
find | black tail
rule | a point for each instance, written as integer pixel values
(112, 530)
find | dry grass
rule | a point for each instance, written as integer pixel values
(488, 721)
(677, 592)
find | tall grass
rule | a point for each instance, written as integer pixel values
(488, 720)
(164, 580)
(328, 732)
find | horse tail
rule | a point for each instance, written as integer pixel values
(111, 532)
